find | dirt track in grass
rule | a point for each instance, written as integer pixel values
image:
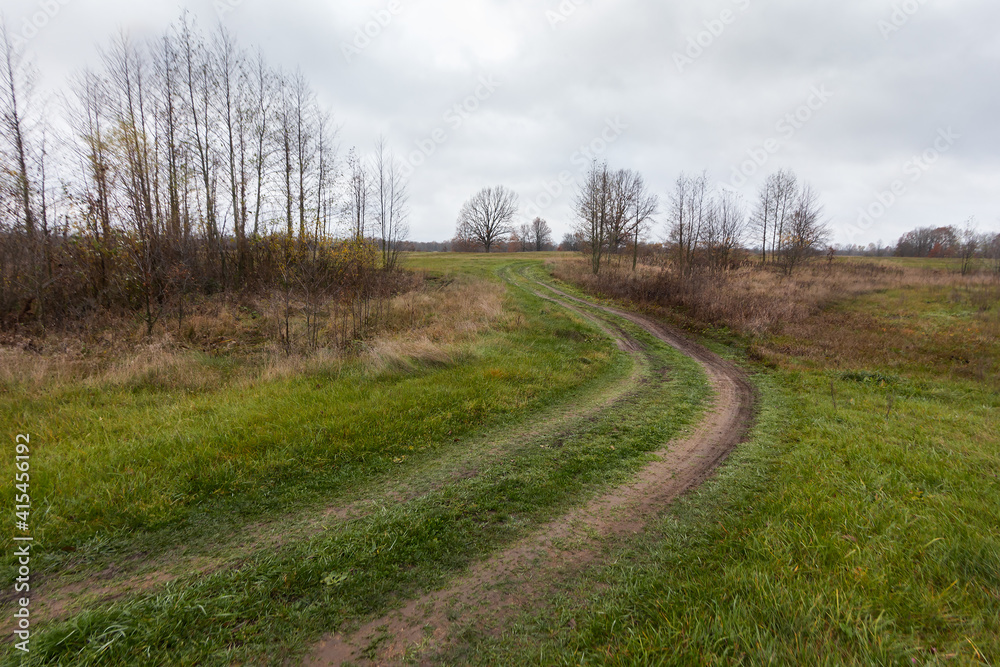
(82, 585)
(508, 581)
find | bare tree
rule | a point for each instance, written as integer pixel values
(167, 67)
(285, 147)
(540, 234)
(645, 206)
(619, 215)
(776, 202)
(804, 230)
(264, 86)
(132, 109)
(17, 82)
(570, 242)
(199, 88)
(486, 217)
(968, 245)
(230, 75)
(689, 209)
(97, 187)
(25, 263)
(992, 250)
(523, 238)
(390, 203)
(326, 174)
(613, 210)
(592, 214)
(358, 190)
(724, 229)
(302, 99)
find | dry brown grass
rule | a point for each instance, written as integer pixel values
(221, 340)
(752, 299)
(911, 317)
(426, 326)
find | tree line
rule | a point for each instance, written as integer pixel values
(707, 228)
(965, 243)
(184, 164)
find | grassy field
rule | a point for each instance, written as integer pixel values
(859, 525)
(237, 523)
(235, 520)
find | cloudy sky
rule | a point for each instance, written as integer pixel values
(889, 108)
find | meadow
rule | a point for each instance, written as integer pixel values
(857, 526)
(218, 507)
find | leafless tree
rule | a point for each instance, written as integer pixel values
(199, 88)
(540, 234)
(689, 210)
(129, 82)
(486, 217)
(167, 68)
(992, 250)
(619, 214)
(97, 185)
(592, 213)
(326, 174)
(302, 99)
(776, 202)
(645, 206)
(520, 240)
(390, 204)
(805, 232)
(968, 245)
(16, 78)
(265, 93)
(20, 164)
(235, 109)
(724, 229)
(613, 210)
(358, 191)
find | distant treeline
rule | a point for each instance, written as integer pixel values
(964, 243)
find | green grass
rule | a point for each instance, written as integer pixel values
(857, 526)
(862, 534)
(108, 460)
(228, 459)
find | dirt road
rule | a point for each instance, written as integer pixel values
(513, 578)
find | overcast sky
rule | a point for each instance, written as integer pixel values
(858, 97)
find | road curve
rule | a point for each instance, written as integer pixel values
(556, 550)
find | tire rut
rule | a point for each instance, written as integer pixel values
(499, 586)
(134, 575)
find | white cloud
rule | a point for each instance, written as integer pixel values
(615, 58)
